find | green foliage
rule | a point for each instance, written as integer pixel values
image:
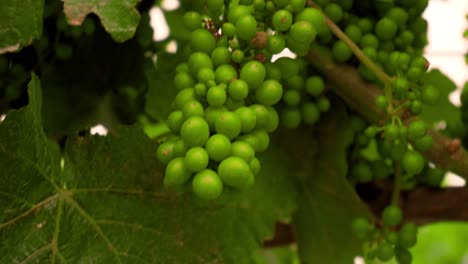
(109, 189)
(119, 18)
(327, 203)
(20, 23)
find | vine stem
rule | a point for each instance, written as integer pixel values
(384, 78)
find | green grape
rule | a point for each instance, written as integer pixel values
(391, 237)
(195, 131)
(235, 172)
(371, 131)
(416, 107)
(314, 17)
(216, 96)
(291, 118)
(182, 67)
(269, 93)
(384, 251)
(182, 97)
(253, 72)
(175, 121)
(251, 140)
(204, 76)
(424, 143)
(63, 51)
(261, 114)
(360, 227)
(413, 162)
(434, 177)
(238, 90)
(196, 159)
(430, 95)
(357, 123)
(398, 15)
(220, 56)
(193, 108)
(292, 97)
(255, 166)
(408, 235)
(215, 6)
(212, 113)
(198, 61)
(297, 5)
(276, 44)
(228, 29)
(282, 20)
(179, 148)
(237, 56)
(341, 51)
(218, 147)
(176, 173)
(246, 27)
(207, 185)
(192, 20)
(228, 124)
(381, 102)
(273, 72)
(417, 129)
(202, 40)
(295, 82)
(400, 85)
(391, 131)
(323, 104)
(366, 25)
(263, 140)
(398, 150)
(165, 152)
(334, 11)
(247, 117)
(310, 113)
(246, 2)
(287, 66)
(243, 150)
(302, 32)
(314, 85)
(361, 172)
(353, 32)
(232, 104)
(392, 215)
(239, 11)
(273, 120)
(225, 74)
(183, 80)
(403, 256)
(369, 41)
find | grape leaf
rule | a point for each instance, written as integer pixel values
(328, 203)
(119, 17)
(443, 109)
(20, 23)
(87, 88)
(105, 202)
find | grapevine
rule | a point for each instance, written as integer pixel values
(255, 123)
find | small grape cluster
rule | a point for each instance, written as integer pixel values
(64, 48)
(228, 87)
(387, 242)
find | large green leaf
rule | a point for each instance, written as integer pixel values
(119, 17)
(328, 203)
(106, 203)
(20, 23)
(443, 109)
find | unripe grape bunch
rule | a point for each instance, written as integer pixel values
(231, 92)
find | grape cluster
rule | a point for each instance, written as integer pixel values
(387, 242)
(228, 87)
